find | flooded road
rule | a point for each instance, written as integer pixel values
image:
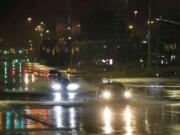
(106, 119)
(24, 108)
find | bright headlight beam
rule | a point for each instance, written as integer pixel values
(106, 95)
(56, 86)
(72, 86)
(127, 94)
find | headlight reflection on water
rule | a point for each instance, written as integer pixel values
(72, 118)
(57, 96)
(65, 117)
(58, 112)
(71, 96)
(128, 120)
(33, 78)
(26, 79)
(107, 118)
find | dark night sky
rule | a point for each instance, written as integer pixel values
(13, 13)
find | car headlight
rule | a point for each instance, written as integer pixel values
(72, 86)
(106, 95)
(56, 86)
(127, 94)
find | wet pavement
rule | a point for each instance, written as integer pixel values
(106, 119)
(155, 112)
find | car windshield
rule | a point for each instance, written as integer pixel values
(90, 67)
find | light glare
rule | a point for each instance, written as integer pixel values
(106, 95)
(127, 94)
(56, 86)
(107, 117)
(73, 86)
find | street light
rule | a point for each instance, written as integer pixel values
(41, 34)
(47, 31)
(42, 23)
(69, 28)
(135, 12)
(130, 27)
(69, 38)
(79, 25)
(29, 19)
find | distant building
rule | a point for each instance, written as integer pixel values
(110, 27)
(168, 43)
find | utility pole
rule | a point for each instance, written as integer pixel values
(149, 39)
(157, 46)
(127, 30)
(69, 30)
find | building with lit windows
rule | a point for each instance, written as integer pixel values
(167, 42)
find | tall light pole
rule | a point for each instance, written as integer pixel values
(157, 45)
(149, 38)
(69, 29)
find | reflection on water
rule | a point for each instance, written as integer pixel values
(19, 122)
(1, 121)
(59, 96)
(107, 117)
(123, 119)
(111, 119)
(8, 122)
(64, 118)
(26, 79)
(33, 78)
(72, 117)
(72, 96)
(128, 120)
(15, 76)
(146, 121)
(58, 114)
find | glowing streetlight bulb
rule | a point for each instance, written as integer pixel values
(79, 25)
(69, 38)
(29, 19)
(41, 34)
(135, 12)
(42, 23)
(47, 31)
(130, 27)
(38, 26)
